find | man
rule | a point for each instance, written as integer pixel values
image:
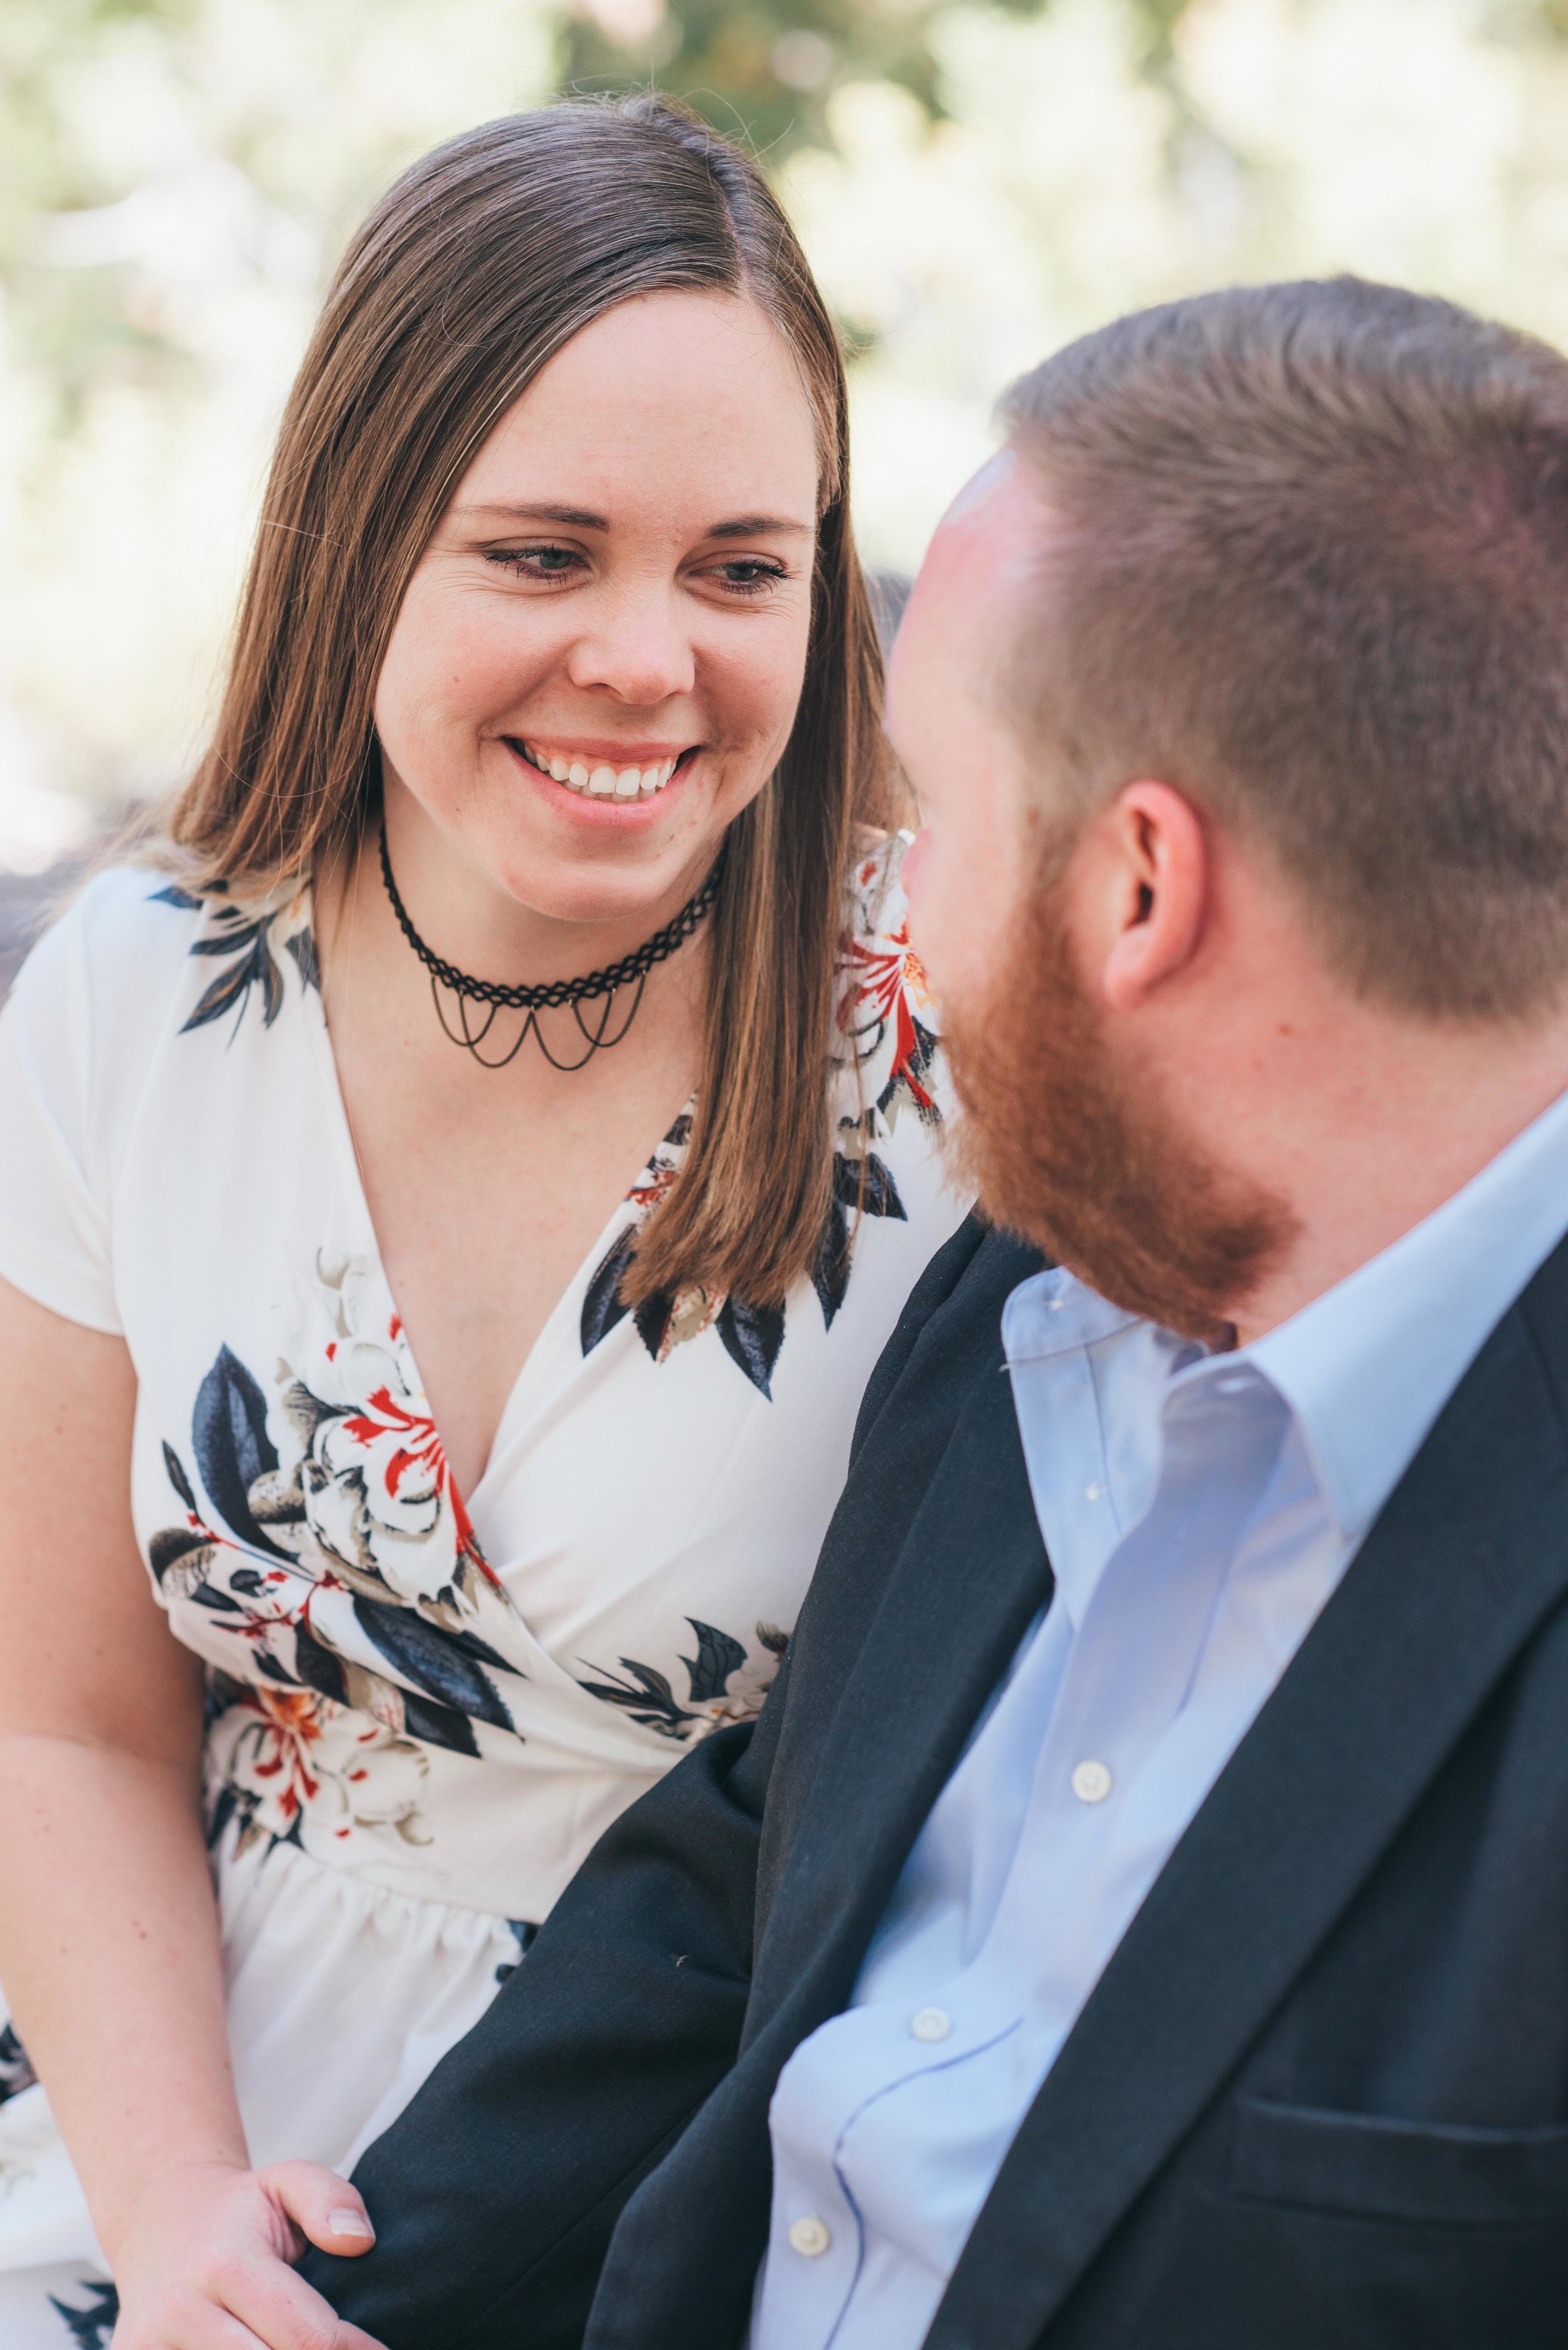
(1157, 1927)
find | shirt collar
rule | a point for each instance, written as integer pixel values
(1367, 1367)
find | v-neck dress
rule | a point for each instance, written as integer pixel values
(425, 1705)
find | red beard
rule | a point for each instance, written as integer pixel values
(1065, 1150)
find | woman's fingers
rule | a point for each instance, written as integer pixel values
(323, 2207)
(274, 2309)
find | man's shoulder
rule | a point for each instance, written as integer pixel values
(951, 1318)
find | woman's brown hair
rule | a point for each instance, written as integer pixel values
(470, 272)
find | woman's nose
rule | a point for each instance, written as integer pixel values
(634, 646)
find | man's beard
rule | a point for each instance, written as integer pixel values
(1065, 1150)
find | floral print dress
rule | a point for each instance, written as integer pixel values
(425, 1705)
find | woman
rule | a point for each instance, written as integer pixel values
(500, 1004)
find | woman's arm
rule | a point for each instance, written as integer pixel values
(109, 1932)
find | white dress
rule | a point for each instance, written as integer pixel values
(425, 1705)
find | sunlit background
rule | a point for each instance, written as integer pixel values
(975, 184)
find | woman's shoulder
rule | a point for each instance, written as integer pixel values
(138, 946)
(886, 1014)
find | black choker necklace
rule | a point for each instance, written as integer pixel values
(555, 994)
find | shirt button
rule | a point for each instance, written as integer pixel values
(930, 2023)
(1093, 1492)
(1091, 1783)
(809, 2237)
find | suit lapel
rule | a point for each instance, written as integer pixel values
(971, 1577)
(1469, 1556)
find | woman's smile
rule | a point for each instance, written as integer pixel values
(625, 774)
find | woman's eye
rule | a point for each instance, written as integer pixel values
(749, 575)
(534, 562)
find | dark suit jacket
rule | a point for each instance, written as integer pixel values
(1319, 2098)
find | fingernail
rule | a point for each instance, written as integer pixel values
(348, 2224)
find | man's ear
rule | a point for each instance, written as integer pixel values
(1154, 878)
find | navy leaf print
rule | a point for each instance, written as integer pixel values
(434, 1660)
(646, 1696)
(830, 1273)
(603, 1306)
(228, 1430)
(718, 1656)
(440, 1725)
(317, 1667)
(231, 989)
(168, 1545)
(246, 1579)
(178, 1479)
(866, 1184)
(16, 2072)
(90, 2329)
(652, 1319)
(175, 896)
(207, 1595)
(752, 1336)
(225, 1803)
(302, 947)
(524, 1931)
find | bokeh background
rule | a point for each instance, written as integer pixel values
(977, 180)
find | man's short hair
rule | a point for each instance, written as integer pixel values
(1313, 572)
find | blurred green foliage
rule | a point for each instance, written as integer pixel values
(765, 68)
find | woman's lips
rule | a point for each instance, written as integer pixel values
(602, 779)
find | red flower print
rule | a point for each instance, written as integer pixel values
(887, 974)
(421, 1453)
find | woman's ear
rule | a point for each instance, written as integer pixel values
(1153, 890)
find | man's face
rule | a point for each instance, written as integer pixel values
(980, 815)
(1067, 1136)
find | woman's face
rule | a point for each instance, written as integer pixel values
(598, 657)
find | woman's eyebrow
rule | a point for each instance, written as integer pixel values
(758, 526)
(580, 518)
(569, 517)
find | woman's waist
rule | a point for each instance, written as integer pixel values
(498, 1831)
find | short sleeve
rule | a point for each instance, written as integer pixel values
(63, 1078)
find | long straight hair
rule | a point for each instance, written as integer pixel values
(470, 272)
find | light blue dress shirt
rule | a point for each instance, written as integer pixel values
(1198, 1509)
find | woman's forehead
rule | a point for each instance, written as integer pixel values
(670, 398)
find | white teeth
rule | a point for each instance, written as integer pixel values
(604, 781)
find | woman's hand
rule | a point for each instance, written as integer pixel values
(202, 2258)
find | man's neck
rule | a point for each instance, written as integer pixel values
(1399, 1120)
